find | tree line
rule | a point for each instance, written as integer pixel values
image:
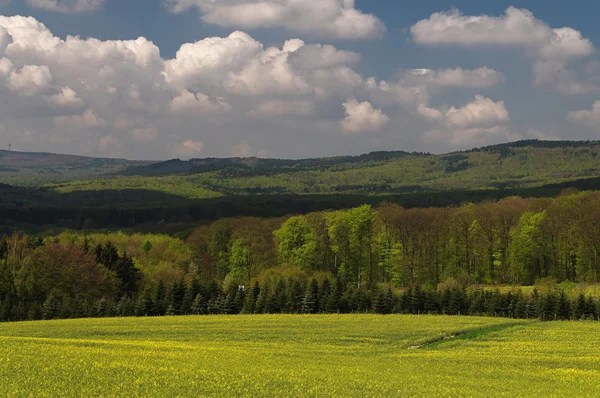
(363, 259)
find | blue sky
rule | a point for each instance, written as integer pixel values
(367, 75)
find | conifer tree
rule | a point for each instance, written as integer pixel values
(197, 306)
(563, 308)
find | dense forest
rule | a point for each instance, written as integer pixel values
(365, 259)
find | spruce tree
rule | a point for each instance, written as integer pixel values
(417, 300)
(50, 307)
(563, 308)
(160, 299)
(310, 304)
(579, 308)
(197, 306)
(591, 310)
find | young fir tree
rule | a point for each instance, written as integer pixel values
(50, 307)
(591, 309)
(417, 300)
(324, 295)
(160, 299)
(296, 297)
(261, 300)
(333, 301)
(579, 308)
(197, 306)
(563, 308)
(310, 304)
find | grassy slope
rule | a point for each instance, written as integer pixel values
(25, 168)
(522, 167)
(280, 355)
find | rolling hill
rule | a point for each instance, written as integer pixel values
(38, 189)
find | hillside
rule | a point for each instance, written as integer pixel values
(31, 168)
(525, 164)
(43, 189)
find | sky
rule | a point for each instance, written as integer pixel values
(163, 79)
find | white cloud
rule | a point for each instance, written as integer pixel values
(518, 27)
(458, 77)
(362, 118)
(30, 80)
(144, 134)
(5, 40)
(88, 119)
(278, 108)
(240, 65)
(481, 112)
(588, 117)
(6, 67)
(471, 124)
(552, 49)
(67, 6)
(242, 150)
(210, 59)
(330, 18)
(185, 149)
(197, 103)
(67, 98)
(109, 145)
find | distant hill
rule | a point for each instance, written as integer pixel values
(522, 164)
(32, 168)
(68, 191)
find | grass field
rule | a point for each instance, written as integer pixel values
(299, 356)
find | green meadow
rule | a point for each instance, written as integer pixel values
(299, 356)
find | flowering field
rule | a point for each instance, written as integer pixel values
(281, 355)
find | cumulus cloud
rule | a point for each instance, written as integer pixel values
(481, 112)
(458, 77)
(67, 6)
(518, 27)
(5, 40)
(240, 65)
(329, 18)
(66, 98)
(470, 124)
(185, 149)
(144, 134)
(552, 48)
(242, 150)
(278, 108)
(361, 117)
(88, 119)
(197, 103)
(211, 58)
(30, 80)
(588, 117)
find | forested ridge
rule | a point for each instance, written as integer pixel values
(384, 259)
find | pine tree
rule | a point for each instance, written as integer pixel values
(591, 309)
(160, 299)
(296, 297)
(50, 307)
(261, 300)
(324, 295)
(579, 308)
(310, 303)
(171, 310)
(563, 308)
(333, 302)
(520, 307)
(417, 300)
(197, 306)
(548, 306)
(531, 309)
